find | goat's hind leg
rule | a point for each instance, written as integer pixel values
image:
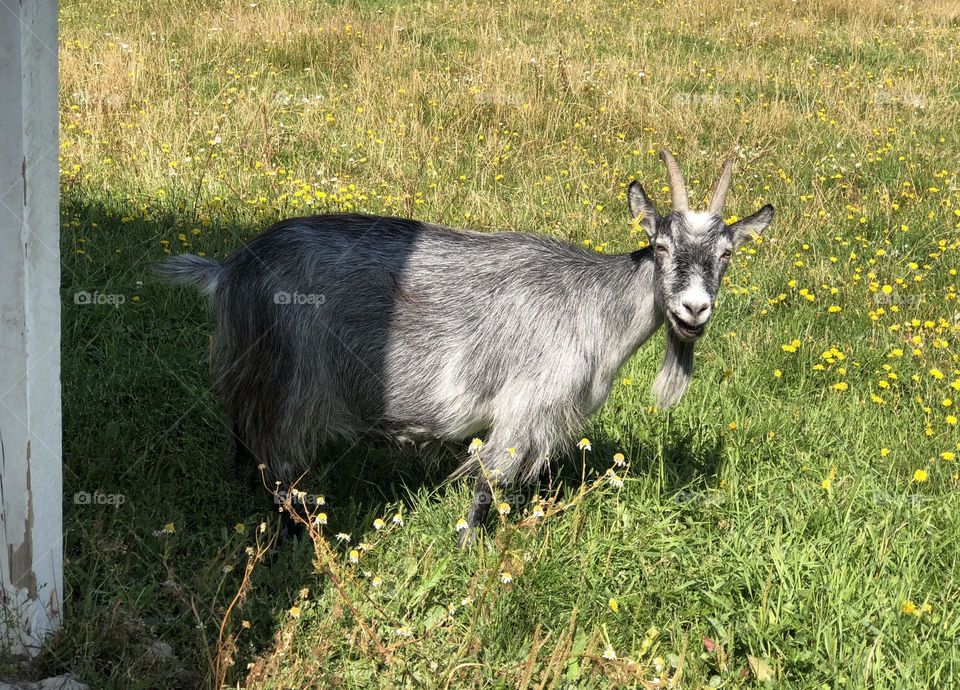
(245, 463)
(256, 466)
(290, 527)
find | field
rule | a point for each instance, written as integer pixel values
(793, 522)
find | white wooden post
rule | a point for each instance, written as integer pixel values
(31, 529)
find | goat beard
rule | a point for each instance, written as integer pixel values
(675, 372)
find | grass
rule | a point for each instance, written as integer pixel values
(792, 522)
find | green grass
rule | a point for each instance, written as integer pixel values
(771, 525)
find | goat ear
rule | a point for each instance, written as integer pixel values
(640, 205)
(752, 225)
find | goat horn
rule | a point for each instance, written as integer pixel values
(678, 191)
(722, 188)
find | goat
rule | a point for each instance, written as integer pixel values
(339, 326)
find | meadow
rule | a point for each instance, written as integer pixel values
(792, 523)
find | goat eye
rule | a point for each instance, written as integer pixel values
(662, 248)
(726, 255)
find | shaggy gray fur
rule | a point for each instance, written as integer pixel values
(334, 327)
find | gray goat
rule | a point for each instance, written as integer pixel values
(339, 326)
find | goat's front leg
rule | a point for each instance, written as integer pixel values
(514, 453)
(482, 498)
(500, 467)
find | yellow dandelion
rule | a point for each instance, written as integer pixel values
(920, 476)
(792, 346)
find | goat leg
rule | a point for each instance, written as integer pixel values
(482, 498)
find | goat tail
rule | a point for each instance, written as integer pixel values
(674, 374)
(188, 269)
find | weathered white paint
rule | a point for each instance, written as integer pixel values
(31, 554)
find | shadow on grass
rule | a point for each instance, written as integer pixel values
(156, 524)
(680, 467)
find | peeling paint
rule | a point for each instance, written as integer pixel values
(21, 558)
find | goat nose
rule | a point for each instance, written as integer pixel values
(698, 309)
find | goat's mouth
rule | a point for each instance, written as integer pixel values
(687, 331)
